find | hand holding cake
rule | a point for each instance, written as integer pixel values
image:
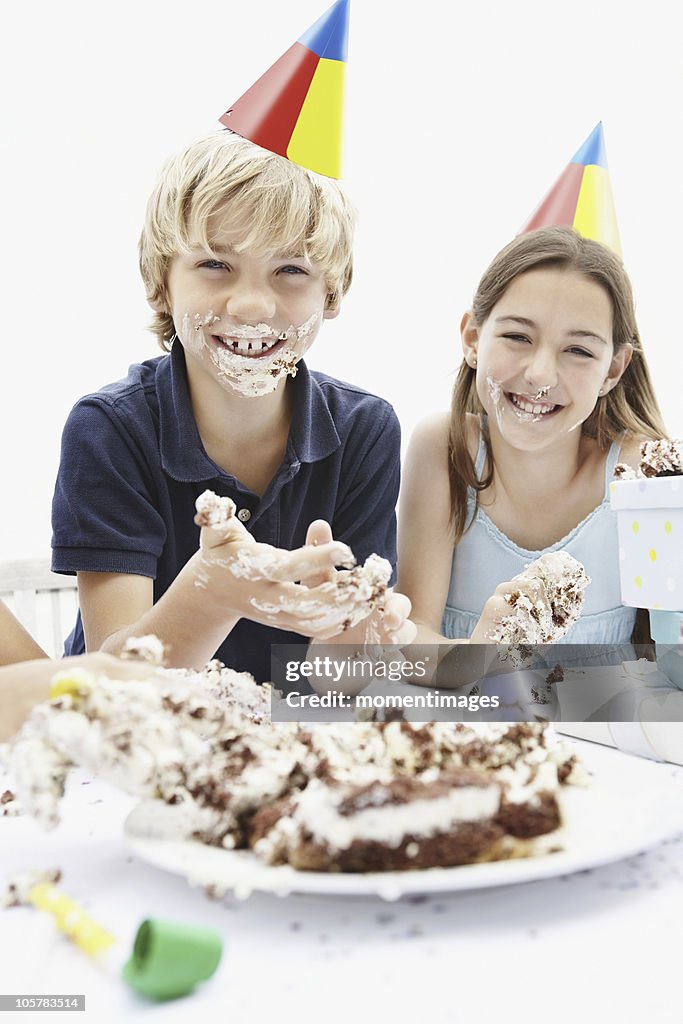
(388, 622)
(538, 606)
(263, 583)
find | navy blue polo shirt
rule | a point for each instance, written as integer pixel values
(133, 464)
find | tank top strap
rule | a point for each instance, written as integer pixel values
(611, 461)
(481, 451)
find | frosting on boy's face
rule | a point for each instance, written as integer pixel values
(543, 354)
(244, 318)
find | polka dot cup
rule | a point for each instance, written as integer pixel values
(650, 524)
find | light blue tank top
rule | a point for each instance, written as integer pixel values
(485, 557)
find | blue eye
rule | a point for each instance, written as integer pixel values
(213, 265)
(291, 269)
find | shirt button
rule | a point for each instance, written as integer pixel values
(244, 515)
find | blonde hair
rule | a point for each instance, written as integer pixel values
(287, 209)
(630, 407)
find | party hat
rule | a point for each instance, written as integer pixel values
(295, 108)
(582, 196)
(168, 960)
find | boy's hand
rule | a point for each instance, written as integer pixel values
(319, 534)
(389, 625)
(266, 584)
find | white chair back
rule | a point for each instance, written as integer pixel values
(44, 602)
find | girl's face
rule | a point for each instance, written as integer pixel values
(544, 355)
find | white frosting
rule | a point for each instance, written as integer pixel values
(317, 812)
(144, 648)
(261, 563)
(661, 455)
(250, 376)
(337, 604)
(214, 511)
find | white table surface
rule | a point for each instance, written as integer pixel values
(603, 944)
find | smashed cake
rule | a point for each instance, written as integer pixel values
(660, 457)
(548, 606)
(357, 796)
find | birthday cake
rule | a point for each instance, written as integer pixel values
(200, 748)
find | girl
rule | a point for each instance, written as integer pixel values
(553, 390)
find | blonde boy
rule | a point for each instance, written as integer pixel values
(243, 255)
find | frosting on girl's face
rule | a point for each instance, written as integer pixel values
(543, 354)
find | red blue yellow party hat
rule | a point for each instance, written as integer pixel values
(582, 196)
(295, 108)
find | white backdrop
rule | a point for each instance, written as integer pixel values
(458, 120)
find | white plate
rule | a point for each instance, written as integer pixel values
(631, 805)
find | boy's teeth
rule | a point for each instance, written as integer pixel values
(254, 345)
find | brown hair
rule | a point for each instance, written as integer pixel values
(287, 209)
(629, 407)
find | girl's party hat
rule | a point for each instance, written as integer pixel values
(295, 108)
(582, 196)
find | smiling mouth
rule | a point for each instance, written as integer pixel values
(527, 407)
(251, 348)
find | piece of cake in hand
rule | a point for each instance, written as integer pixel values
(546, 602)
(326, 610)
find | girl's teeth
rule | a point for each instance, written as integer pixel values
(533, 407)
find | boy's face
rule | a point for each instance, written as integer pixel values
(244, 319)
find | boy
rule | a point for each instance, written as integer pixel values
(243, 254)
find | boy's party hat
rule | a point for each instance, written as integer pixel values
(582, 196)
(295, 108)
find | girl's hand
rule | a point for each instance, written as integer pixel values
(497, 609)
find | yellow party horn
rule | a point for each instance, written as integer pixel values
(71, 919)
(169, 958)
